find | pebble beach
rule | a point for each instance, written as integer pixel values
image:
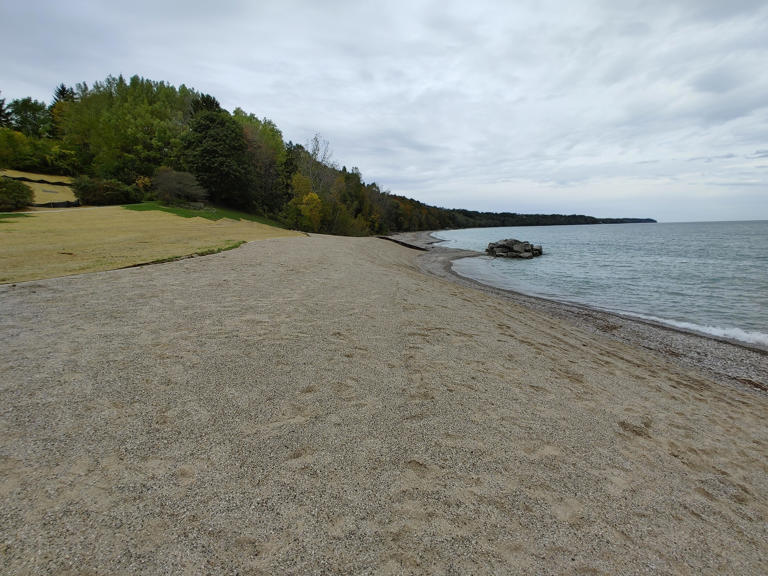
(333, 405)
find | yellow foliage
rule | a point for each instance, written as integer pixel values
(301, 185)
(143, 183)
(311, 208)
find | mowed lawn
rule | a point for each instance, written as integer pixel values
(47, 244)
(45, 192)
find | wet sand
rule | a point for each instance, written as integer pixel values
(321, 405)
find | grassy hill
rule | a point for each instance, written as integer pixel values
(51, 243)
(57, 191)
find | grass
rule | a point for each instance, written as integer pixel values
(10, 216)
(45, 192)
(36, 176)
(209, 213)
(47, 244)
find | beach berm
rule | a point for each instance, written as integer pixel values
(320, 405)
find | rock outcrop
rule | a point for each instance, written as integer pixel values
(512, 248)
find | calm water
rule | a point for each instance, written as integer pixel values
(707, 276)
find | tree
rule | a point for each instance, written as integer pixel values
(62, 93)
(175, 188)
(63, 97)
(98, 192)
(205, 103)
(127, 129)
(14, 195)
(316, 162)
(30, 117)
(311, 208)
(5, 115)
(266, 152)
(216, 153)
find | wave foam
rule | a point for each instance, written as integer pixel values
(750, 337)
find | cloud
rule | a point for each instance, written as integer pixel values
(483, 104)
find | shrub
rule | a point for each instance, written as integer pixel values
(100, 192)
(14, 195)
(35, 154)
(177, 188)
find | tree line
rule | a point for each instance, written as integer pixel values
(140, 139)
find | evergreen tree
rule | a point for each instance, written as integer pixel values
(215, 151)
(5, 114)
(63, 94)
(62, 98)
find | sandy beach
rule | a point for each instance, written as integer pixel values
(332, 405)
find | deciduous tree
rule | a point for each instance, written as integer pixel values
(30, 117)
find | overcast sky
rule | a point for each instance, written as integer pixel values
(653, 108)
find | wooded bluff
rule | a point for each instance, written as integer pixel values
(138, 139)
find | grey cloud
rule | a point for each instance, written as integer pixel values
(709, 159)
(451, 102)
(718, 80)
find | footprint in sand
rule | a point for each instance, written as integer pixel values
(568, 510)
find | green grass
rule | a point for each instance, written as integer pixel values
(11, 216)
(209, 213)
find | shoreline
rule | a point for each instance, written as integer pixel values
(727, 361)
(261, 411)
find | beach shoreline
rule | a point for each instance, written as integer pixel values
(320, 404)
(728, 361)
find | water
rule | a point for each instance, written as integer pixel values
(711, 277)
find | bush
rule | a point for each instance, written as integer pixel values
(14, 195)
(35, 154)
(98, 192)
(177, 188)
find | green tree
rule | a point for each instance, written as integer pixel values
(126, 129)
(216, 153)
(63, 97)
(177, 188)
(63, 93)
(5, 114)
(30, 117)
(100, 192)
(266, 153)
(14, 195)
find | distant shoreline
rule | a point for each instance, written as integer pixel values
(729, 362)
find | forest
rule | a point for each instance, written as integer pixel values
(137, 139)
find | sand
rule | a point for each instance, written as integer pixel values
(321, 405)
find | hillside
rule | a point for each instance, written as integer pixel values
(127, 130)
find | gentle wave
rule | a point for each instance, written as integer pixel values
(747, 336)
(705, 277)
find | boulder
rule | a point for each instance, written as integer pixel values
(512, 248)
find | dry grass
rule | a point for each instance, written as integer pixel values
(47, 193)
(44, 192)
(48, 244)
(36, 176)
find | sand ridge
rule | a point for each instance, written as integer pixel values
(319, 405)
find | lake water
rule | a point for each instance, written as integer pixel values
(711, 277)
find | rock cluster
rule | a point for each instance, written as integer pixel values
(511, 248)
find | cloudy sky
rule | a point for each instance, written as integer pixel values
(652, 108)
